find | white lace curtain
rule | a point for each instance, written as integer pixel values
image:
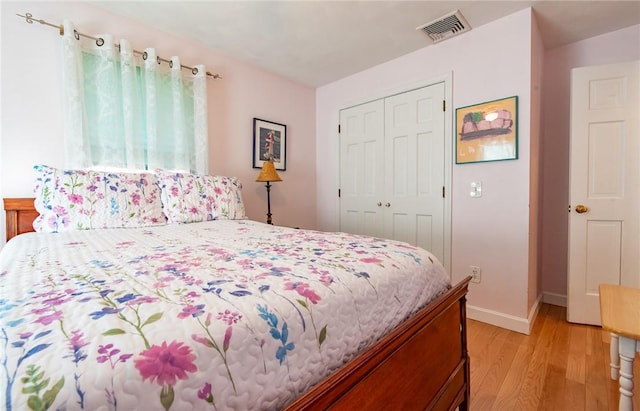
(123, 111)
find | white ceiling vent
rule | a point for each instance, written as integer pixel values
(446, 26)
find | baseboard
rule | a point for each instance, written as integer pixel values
(554, 299)
(502, 320)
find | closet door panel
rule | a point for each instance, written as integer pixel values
(414, 153)
(401, 223)
(362, 169)
(400, 167)
(424, 230)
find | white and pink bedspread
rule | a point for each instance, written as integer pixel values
(217, 315)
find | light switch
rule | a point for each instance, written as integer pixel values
(476, 189)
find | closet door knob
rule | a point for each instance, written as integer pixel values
(379, 204)
(388, 205)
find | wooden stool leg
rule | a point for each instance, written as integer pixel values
(614, 360)
(627, 355)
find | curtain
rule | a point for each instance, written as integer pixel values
(123, 110)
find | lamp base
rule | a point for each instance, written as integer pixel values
(268, 185)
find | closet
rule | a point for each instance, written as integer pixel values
(392, 168)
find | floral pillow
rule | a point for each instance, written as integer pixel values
(87, 199)
(189, 198)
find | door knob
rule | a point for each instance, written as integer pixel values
(388, 205)
(379, 204)
(581, 209)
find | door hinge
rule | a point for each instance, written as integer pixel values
(338, 128)
(444, 105)
(339, 192)
(442, 191)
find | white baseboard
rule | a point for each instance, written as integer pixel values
(554, 299)
(502, 320)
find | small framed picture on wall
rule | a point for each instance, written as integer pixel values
(269, 143)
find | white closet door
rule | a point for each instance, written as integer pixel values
(362, 169)
(415, 166)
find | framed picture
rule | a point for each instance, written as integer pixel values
(269, 143)
(487, 131)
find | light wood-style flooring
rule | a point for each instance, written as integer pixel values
(560, 366)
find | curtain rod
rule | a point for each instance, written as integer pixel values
(100, 41)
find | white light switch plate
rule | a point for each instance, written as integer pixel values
(476, 189)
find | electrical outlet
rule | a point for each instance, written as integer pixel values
(474, 271)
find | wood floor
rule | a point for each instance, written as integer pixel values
(560, 366)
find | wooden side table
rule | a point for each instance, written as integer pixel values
(620, 315)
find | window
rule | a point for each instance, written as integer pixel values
(126, 110)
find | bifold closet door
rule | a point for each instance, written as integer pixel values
(392, 168)
(414, 168)
(362, 169)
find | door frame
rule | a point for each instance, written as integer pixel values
(447, 79)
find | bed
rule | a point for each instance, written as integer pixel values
(225, 313)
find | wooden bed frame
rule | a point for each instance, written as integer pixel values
(20, 213)
(422, 364)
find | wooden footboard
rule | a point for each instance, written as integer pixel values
(20, 213)
(422, 364)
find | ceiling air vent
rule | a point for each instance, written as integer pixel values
(446, 26)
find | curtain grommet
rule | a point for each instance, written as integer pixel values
(100, 42)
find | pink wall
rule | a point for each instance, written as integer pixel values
(31, 128)
(615, 47)
(492, 231)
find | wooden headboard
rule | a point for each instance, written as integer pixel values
(20, 213)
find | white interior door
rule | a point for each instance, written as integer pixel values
(604, 221)
(362, 169)
(414, 173)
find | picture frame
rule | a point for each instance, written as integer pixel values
(269, 141)
(487, 131)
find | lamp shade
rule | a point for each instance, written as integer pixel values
(268, 173)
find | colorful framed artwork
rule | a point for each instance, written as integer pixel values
(487, 131)
(269, 143)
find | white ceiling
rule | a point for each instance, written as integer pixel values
(317, 42)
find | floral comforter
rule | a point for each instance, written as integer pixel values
(217, 315)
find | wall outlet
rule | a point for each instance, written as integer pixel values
(474, 272)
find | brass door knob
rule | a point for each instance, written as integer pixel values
(581, 209)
